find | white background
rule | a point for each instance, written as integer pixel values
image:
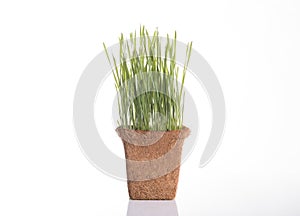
(253, 47)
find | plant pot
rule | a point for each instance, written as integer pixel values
(152, 162)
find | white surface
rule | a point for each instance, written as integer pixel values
(253, 46)
(150, 208)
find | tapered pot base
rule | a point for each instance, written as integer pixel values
(163, 188)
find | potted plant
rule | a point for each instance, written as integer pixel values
(150, 105)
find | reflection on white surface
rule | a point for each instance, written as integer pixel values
(152, 208)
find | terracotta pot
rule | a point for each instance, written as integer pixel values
(153, 162)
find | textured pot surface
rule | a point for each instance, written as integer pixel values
(153, 162)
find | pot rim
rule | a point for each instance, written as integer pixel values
(181, 133)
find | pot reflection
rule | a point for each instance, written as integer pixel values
(152, 208)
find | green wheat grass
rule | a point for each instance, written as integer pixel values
(149, 84)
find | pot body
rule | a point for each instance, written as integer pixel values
(152, 162)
